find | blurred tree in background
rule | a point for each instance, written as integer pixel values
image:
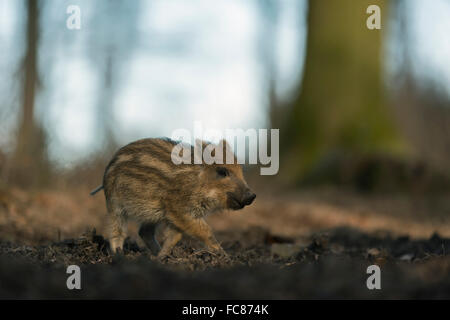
(110, 43)
(30, 164)
(340, 105)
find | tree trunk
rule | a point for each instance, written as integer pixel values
(340, 105)
(29, 165)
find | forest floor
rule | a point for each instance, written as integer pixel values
(308, 244)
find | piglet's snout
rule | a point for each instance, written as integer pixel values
(248, 198)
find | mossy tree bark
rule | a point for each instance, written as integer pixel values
(340, 105)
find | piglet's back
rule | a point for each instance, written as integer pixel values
(145, 166)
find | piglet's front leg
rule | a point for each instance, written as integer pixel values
(199, 229)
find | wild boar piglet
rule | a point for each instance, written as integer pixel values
(143, 183)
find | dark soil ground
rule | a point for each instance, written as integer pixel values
(331, 264)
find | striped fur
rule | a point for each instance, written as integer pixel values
(142, 183)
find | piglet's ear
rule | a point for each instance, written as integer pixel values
(199, 143)
(228, 153)
(226, 146)
(198, 151)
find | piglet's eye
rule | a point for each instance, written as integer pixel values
(222, 172)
